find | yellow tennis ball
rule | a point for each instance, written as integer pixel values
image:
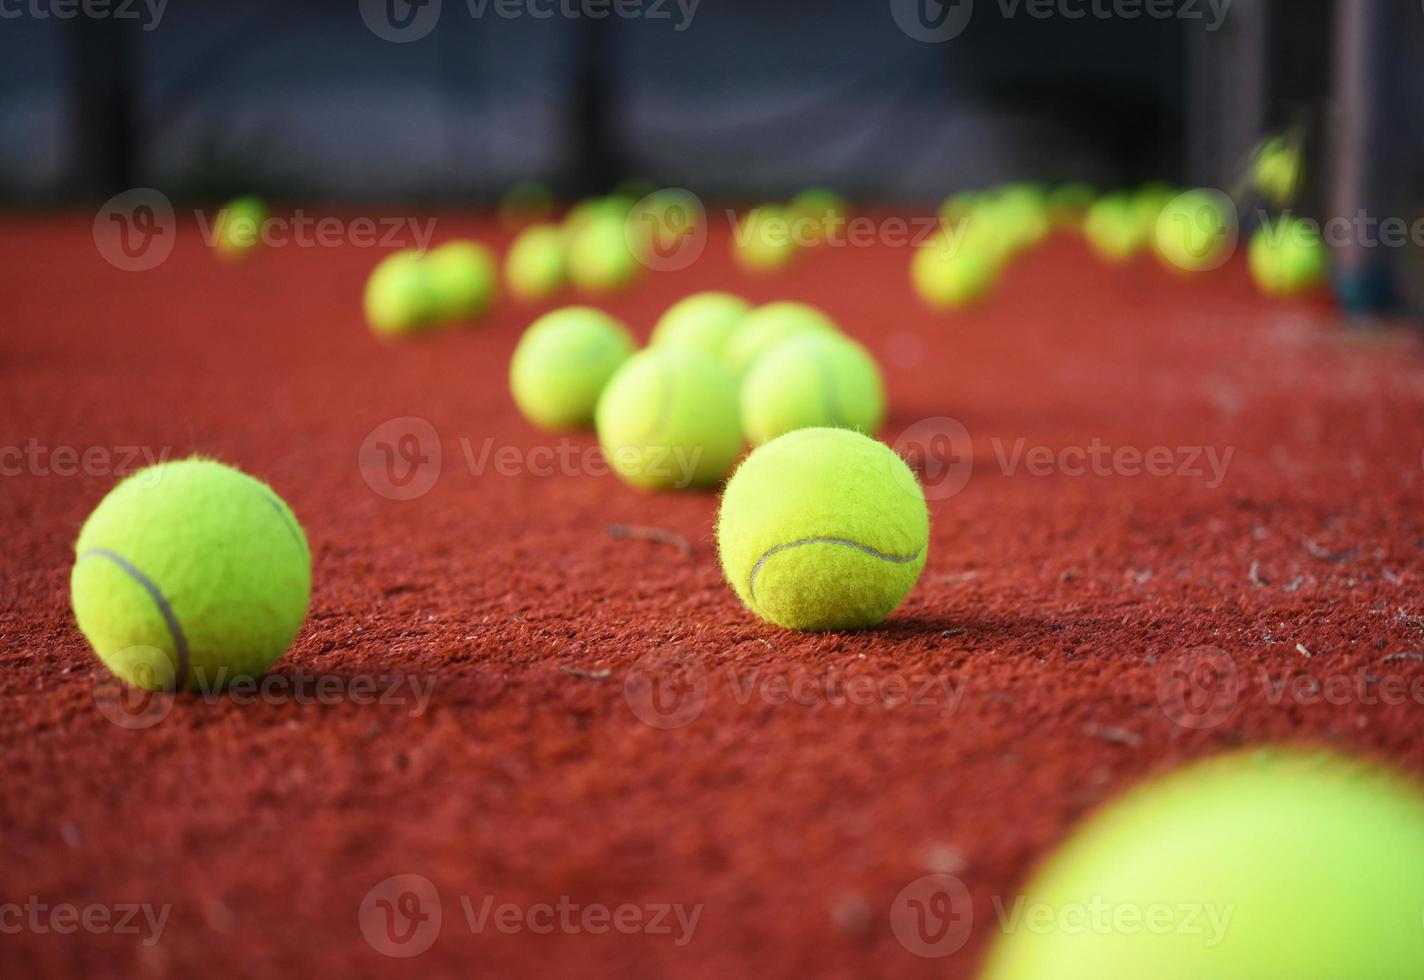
(669, 419)
(1266, 863)
(535, 269)
(1196, 231)
(768, 325)
(1287, 257)
(1114, 229)
(600, 259)
(764, 240)
(823, 529)
(822, 212)
(948, 276)
(1276, 170)
(465, 279)
(817, 379)
(703, 321)
(399, 298)
(238, 229)
(563, 362)
(189, 575)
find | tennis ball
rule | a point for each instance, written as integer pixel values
(768, 325)
(600, 259)
(1196, 231)
(189, 575)
(669, 419)
(702, 321)
(1287, 257)
(399, 298)
(765, 240)
(1267, 863)
(815, 379)
(949, 276)
(1113, 230)
(823, 529)
(534, 268)
(820, 215)
(1276, 170)
(464, 278)
(959, 206)
(562, 364)
(238, 230)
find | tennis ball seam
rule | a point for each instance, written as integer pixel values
(847, 542)
(170, 617)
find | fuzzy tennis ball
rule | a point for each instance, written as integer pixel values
(600, 260)
(1113, 228)
(668, 419)
(1276, 171)
(464, 278)
(768, 325)
(949, 276)
(189, 575)
(238, 230)
(399, 298)
(764, 240)
(1267, 863)
(562, 364)
(1196, 231)
(816, 379)
(1069, 203)
(703, 321)
(820, 214)
(823, 529)
(534, 268)
(1287, 257)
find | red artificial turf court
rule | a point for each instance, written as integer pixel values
(1034, 649)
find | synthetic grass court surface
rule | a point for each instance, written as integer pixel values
(1038, 653)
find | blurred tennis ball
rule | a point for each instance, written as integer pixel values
(820, 215)
(238, 230)
(823, 529)
(465, 279)
(770, 324)
(668, 419)
(764, 241)
(562, 363)
(1267, 863)
(1113, 229)
(1276, 170)
(1287, 257)
(815, 379)
(950, 275)
(703, 321)
(534, 268)
(1196, 231)
(399, 299)
(600, 259)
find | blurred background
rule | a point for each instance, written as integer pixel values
(900, 102)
